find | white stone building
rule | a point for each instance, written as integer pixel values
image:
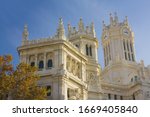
(69, 68)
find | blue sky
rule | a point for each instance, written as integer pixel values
(42, 19)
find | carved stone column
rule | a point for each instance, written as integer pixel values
(45, 61)
(36, 60)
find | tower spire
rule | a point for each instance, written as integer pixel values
(126, 20)
(93, 30)
(25, 33)
(111, 18)
(61, 30)
(69, 29)
(81, 26)
(116, 17)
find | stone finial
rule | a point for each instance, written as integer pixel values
(126, 20)
(81, 26)
(87, 29)
(111, 18)
(74, 30)
(92, 29)
(61, 30)
(116, 17)
(25, 33)
(69, 29)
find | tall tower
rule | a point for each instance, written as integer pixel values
(120, 68)
(84, 38)
(119, 53)
(118, 41)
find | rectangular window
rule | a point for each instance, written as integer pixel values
(41, 64)
(127, 46)
(90, 51)
(68, 93)
(124, 45)
(50, 63)
(87, 53)
(121, 97)
(115, 97)
(133, 97)
(125, 55)
(131, 47)
(109, 96)
(129, 56)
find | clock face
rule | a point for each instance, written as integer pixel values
(126, 32)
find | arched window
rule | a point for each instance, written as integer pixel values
(131, 47)
(32, 64)
(125, 55)
(124, 45)
(132, 57)
(87, 53)
(129, 56)
(90, 50)
(127, 45)
(50, 63)
(41, 65)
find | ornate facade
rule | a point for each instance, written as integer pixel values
(69, 68)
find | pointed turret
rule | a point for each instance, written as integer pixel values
(126, 20)
(25, 33)
(74, 30)
(87, 30)
(81, 26)
(92, 29)
(111, 19)
(61, 30)
(116, 17)
(69, 30)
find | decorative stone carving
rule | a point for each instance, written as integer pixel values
(92, 82)
(31, 58)
(40, 57)
(73, 66)
(75, 94)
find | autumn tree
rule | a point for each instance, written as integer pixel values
(20, 83)
(6, 73)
